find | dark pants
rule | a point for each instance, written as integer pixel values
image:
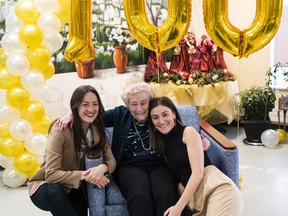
(148, 186)
(52, 197)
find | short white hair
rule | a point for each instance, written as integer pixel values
(136, 88)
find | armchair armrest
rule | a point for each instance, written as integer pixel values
(216, 135)
(223, 153)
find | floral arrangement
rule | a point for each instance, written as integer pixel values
(196, 78)
(118, 37)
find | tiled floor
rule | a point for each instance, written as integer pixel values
(264, 171)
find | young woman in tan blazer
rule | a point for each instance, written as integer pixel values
(59, 185)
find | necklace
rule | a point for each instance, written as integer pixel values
(142, 143)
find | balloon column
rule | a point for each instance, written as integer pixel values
(253, 38)
(32, 35)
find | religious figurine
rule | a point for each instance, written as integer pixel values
(218, 58)
(204, 60)
(180, 58)
(154, 67)
(192, 51)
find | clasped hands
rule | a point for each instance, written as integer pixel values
(96, 176)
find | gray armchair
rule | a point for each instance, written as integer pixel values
(223, 153)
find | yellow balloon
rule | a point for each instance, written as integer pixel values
(80, 47)
(30, 35)
(38, 57)
(242, 42)
(42, 126)
(282, 135)
(25, 162)
(164, 37)
(17, 97)
(33, 111)
(3, 57)
(10, 147)
(4, 130)
(48, 71)
(63, 3)
(33, 171)
(26, 11)
(63, 12)
(8, 80)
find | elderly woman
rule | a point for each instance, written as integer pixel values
(141, 173)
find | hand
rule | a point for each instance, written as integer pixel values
(205, 143)
(63, 122)
(85, 173)
(96, 176)
(173, 211)
(181, 188)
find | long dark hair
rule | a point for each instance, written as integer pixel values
(80, 138)
(157, 140)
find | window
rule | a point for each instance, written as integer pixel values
(279, 51)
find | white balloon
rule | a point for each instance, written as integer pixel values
(53, 42)
(6, 10)
(20, 129)
(12, 23)
(46, 6)
(39, 158)
(36, 143)
(8, 113)
(270, 138)
(49, 24)
(17, 64)
(13, 178)
(33, 81)
(6, 161)
(11, 43)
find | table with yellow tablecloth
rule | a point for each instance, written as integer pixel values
(215, 103)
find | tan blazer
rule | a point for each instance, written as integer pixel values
(62, 163)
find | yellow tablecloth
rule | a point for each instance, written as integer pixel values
(215, 104)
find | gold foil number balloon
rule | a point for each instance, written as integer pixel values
(158, 39)
(80, 47)
(253, 38)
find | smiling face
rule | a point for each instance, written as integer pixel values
(163, 119)
(138, 104)
(88, 109)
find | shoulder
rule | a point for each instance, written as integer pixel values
(188, 133)
(117, 109)
(64, 134)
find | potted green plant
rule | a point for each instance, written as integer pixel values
(255, 104)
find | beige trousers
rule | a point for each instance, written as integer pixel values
(216, 195)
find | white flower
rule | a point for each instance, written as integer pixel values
(178, 82)
(215, 77)
(165, 74)
(59, 57)
(190, 80)
(101, 49)
(118, 36)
